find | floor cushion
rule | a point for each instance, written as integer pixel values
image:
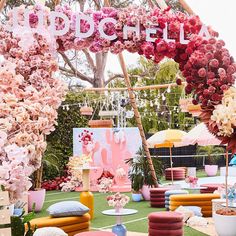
(58, 222)
(96, 233)
(73, 224)
(177, 225)
(165, 217)
(52, 231)
(177, 191)
(67, 208)
(158, 190)
(165, 232)
(192, 197)
(74, 227)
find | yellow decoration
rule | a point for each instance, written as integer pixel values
(87, 199)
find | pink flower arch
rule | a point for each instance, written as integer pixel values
(31, 93)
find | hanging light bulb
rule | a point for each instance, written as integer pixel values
(67, 108)
(168, 89)
(163, 97)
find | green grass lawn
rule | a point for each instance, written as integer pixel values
(136, 223)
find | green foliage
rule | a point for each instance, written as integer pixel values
(60, 142)
(140, 173)
(159, 109)
(18, 225)
(210, 152)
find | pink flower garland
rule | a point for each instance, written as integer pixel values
(30, 95)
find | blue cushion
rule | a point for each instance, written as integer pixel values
(175, 191)
(197, 210)
(67, 208)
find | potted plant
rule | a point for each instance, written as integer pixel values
(140, 174)
(210, 152)
(37, 194)
(225, 220)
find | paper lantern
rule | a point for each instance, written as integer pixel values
(194, 110)
(86, 111)
(101, 123)
(183, 103)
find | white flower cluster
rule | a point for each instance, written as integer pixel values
(105, 185)
(225, 114)
(117, 200)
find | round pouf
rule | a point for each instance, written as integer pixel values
(165, 224)
(96, 233)
(210, 188)
(172, 192)
(178, 173)
(157, 197)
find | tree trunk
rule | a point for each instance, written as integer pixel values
(38, 175)
(99, 79)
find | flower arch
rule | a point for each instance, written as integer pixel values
(31, 93)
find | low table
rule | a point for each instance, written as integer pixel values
(119, 229)
(194, 189)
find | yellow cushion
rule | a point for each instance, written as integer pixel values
(60, 221)
(193, 203)
(75, 227)
(192, 197)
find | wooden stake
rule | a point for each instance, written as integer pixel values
(2, 4)
(186, 7)
(171, 167)
(137, 118)
(226, 178)
(162, 4)
(57, 2)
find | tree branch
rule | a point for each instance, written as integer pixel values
(89, 59)
(73, 70)
(113, 77)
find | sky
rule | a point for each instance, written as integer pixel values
(219, 14)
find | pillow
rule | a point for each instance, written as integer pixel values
(196, 210)
(67, 208)
(186, 212)
(197, 221)
(52, 231)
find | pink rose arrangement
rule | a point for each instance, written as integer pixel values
(30, 95)
(105, 184)
(117, 200)
(191, 180)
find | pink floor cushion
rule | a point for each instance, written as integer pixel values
(210, 188)
(156, 199)
(96, 233)
(177, 225)
(157, 194)
(165, 217)
(165, 232)
(158, 190)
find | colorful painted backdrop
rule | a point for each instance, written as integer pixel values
(109, 147)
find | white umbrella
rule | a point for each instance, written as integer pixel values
(199, 135)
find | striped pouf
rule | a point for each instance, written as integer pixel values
(172, 192)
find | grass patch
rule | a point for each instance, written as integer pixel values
(102, 221)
